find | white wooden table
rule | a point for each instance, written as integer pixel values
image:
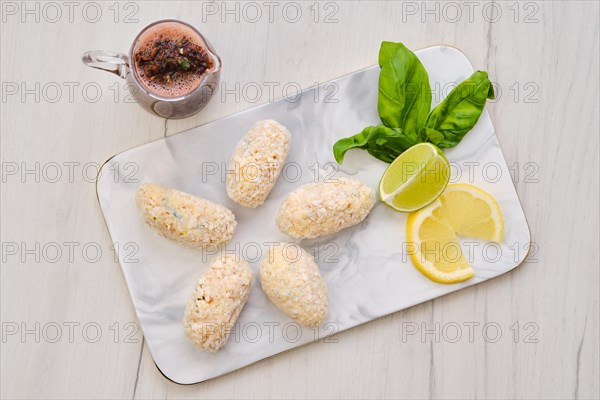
(68, 326)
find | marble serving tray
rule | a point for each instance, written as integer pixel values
(366, 268)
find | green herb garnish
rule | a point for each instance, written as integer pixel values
(456, 115)
(184, 63)
(404, 104)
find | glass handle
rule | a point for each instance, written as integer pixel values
(117, 63)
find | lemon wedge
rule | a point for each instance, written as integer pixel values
(432, 232)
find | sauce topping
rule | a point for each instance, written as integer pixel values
(166, 60)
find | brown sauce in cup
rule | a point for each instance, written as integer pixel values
(170, 59)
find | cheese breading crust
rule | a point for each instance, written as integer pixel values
(185, 218)
(322, 208)
(291, 280)
(257, 162)
(216, 302)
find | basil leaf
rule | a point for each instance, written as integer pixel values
(456, 115)
(380, 141)
(433, 136)
(387, 51)
(404, 92)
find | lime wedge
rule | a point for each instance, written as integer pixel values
(414, 179)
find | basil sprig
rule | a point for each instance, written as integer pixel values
(404, 102)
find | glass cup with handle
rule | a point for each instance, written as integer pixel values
(186, 95)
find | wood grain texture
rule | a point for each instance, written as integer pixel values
(547, 120)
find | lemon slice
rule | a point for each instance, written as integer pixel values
(431, 232)
(414, 179)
